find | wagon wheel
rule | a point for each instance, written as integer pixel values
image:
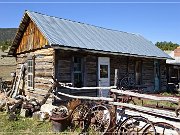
(78, 116)
(136, 125)
(163, 128)
(99, 118)
(63, 109)
(126, 83)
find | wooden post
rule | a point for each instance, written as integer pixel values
(115, 107)
(19, 79)
(116, 77)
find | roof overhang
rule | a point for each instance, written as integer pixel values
(55, 46)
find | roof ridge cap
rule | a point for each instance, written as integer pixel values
(82, 23)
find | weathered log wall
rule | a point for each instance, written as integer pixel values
(124, 64)
(44, 70)
(163, 74)
(148, 74)
(59, 63)
(32, 39)
(64, 70)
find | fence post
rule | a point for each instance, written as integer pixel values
(116, 77)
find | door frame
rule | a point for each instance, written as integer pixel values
(103, 61)
(158, 87)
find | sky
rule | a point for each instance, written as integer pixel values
(156, 20)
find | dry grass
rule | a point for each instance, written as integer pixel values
(5, 71)
(7, 65)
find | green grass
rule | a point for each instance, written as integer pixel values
(27, 126)
(153, 102)
(23, 126)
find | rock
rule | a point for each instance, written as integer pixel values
(41, 116)
(36, 115)
(48, 108)
(24, 113)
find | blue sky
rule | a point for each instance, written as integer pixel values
(155, 20)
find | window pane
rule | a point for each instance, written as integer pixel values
(78, 80)
(103, 71)
(77, 67)
(78, 76)
(30, 69)
(77, 60)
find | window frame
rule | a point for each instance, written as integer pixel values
(30, 73)
(81, 71)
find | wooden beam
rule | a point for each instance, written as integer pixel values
(66, 85)
(167, 114)
(89, 88)
(146, 96)
(151, 117)
(87, 98)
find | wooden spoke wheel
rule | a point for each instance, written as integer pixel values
(136, 125)
(78, 116)
(127, 83)
(99, 120)
(163, 128)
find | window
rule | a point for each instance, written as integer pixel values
(30, 76)
(138, 69)
(103, 71)
(78, 72)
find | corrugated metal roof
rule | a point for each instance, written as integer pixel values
(79, 35)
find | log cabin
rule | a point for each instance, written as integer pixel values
(84, 55)
(173, 70)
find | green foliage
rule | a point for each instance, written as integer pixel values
(7, 34)
(27, 126)
(167, 46)
(6, 37)
(4, 45)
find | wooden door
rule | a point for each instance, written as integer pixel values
(104, 75)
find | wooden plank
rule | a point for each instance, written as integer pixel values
(43, 74)
(19, 79)
(32, 39)
(42, 67)
(151, 117)
(45, 52)
(88, 88)
(87, 98)
(115, 77)
(42, 86)
(146, 96)
(42, 80)
(158, 112)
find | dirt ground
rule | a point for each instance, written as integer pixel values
(5, 71)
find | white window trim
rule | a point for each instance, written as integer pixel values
(30, 73)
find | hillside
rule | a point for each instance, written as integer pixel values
(7, 34)
(7, 64)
